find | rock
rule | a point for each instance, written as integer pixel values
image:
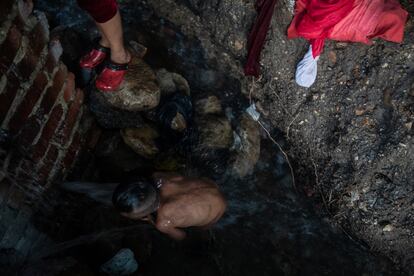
(178, 123)
(246, 156)
(109, 116)
(332, 57)
(238, 45)
(209, 105)
(139, 91)
(123, 263)
(176, 112)
(212, 150)
(215, 132)
(360, 111)
(388, 228)
(142, 140)
(139, 49)
(170, 83)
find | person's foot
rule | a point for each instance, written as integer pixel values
(121, 57)
(95, 57)
(111, 77)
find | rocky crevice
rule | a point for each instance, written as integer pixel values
(350, 135)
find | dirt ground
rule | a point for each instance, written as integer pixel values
(353, 132)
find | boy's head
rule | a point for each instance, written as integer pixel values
(137, 199)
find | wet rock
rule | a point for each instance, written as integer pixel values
(142, 140)
(123, 263)
(209, 105)
(245, 158)
(215, 132)
(109, 116)
(211, 152)
(170, 83)
(176, 112)
(139, 91)
(138, 49)
(178, 123)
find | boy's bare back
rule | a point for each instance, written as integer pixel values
(187, 202)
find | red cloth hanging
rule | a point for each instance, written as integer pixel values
(257, 36)
(347, 20)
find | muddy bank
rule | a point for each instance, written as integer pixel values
(352, 132)
(350, 135)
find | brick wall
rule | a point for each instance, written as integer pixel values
(40, 107)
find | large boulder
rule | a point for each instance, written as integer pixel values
(142, 140)
(171, 83)
(211, 151)
(215, 132)
(139, 91)
(109, 116)
(209, 105)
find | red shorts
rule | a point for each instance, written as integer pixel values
(101, 10)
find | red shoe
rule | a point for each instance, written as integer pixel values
(95, 57)
(111, 77)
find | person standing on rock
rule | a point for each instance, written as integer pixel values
(111, 45)
(169, 201)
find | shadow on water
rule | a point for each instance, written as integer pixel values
(268, 229)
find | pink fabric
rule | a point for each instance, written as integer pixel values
(101, 10)
(315, 19)
(369, 19)
(365, 20)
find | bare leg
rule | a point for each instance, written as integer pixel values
(112, 37)
(104, 41)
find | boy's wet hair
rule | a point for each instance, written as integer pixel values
(139, 196)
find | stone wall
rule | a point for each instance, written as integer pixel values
(41, 112)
